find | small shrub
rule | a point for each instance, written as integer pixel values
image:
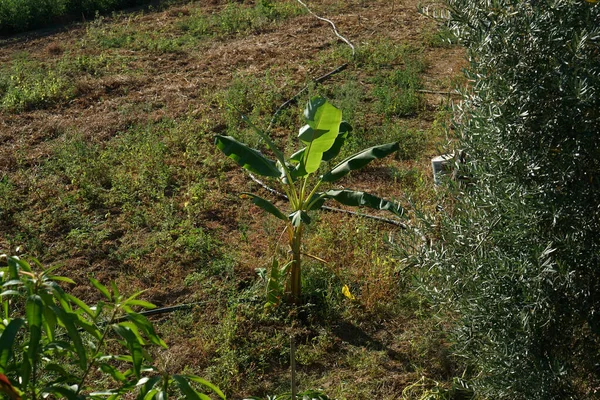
(51, 342)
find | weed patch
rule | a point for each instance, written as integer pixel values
(237, 19)
(25, 85)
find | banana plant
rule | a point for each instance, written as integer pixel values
(321, 140)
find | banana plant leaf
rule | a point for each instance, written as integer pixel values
(298, 157)
(356, 198)
(187, 390)
(266, 205)
(323, 123)
(359, 160)
(246, 157)
(298, 217)
(343, 133)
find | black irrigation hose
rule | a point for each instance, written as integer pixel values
(320, 79)
(294, 98)
(154, 311)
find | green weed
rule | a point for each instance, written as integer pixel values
(235, 18)
(441, 37)
(396, 91)
(26, 85)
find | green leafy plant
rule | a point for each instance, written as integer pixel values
(306, 395)
(52, 343)
(517, 259)
(322, 137)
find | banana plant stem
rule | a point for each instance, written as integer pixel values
(296, 278)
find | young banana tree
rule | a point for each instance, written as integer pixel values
(322, 139)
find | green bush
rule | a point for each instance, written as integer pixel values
(53, 344)
(22, 15)
(516, 256)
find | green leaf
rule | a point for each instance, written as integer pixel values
(359, 160)
(147, 385)
(107, 394)
(115, 290)
(24, 265)
(113, 372)
(319, 135)
(13, 268)
(312, 107)
(25, 371)
(141, 303)
(146, 326)
(316, 201)
(298, 217)
(90, 328)
(101, 288)
(151, 395)
(49, 323)
(135, 330)
(300, 169)
(333, 152)
(274, 286)
(34, 308)
(206, 383)
(81, 304)
(187, 390)
(133, 345)
(267, 206)
(7, 339)
(69, 393)
(246, 157)
(61, 279)
(135, 296)
(69, 320)
(10, 292)
(356, 199)
(297, 156)
(59, 294)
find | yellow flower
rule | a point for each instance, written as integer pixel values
(346, 292)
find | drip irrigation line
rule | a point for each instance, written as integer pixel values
(369, 216)
(332, 25)
(454, 92)
(333, 209)
(320, 79)
(154, 311)
(163, 310)
(294, 98)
